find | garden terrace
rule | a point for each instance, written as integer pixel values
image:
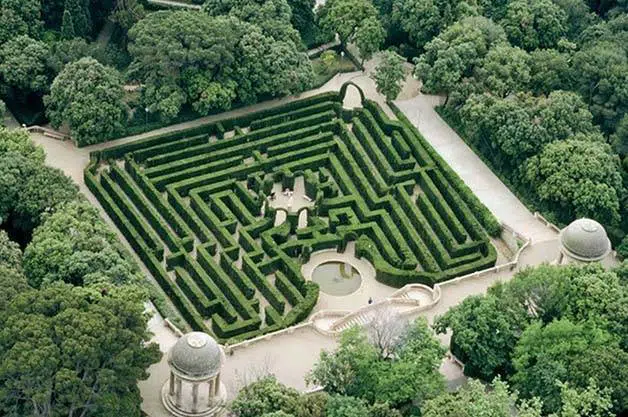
(194, 206)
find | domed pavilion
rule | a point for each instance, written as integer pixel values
(194, 387)
(583, 241)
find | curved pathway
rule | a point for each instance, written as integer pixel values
(484, 183)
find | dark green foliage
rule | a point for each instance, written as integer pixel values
(359, 373)
(29, 189)
(44, 331)
(88, 96)
(548, 324)
(79, 13)
(67, 26)
(231, 61)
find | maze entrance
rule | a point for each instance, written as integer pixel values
(196, 207)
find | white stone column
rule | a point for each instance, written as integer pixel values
(194, 397)
(171, 387)
(178, 393)
(210, 383)
(217, 385)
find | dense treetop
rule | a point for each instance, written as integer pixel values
(548, 324)
(73, 339)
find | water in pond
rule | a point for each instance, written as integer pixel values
(337, 278)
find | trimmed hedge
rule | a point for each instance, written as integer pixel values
(193, 205)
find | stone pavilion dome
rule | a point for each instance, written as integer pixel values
(585, 240)
(197, 355)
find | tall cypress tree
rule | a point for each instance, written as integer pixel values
(80, 16)
(67, 26)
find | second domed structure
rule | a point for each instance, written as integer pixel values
(584, 240)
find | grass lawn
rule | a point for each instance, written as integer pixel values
(324, 74)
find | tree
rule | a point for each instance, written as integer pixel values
(389, 74)
(81, 19)
(383, 410)
(328, 58)
(512, 129)
(127, 13)
(591, 401)
(20, 142)
(64, 52)
(29, 189)
(425, 19)
(532, 24)
(20, 17)
(385, 332)
(620, 137)
(601, 74)
(579, 293)
(269, 68)
(504, 71)
(579, 16)
(303, 17)
(572, 353)
(74, 245)
(23, 64)
(344, 17)
(455, 52)
(474, 399)
(273, 17)
(549, 71)
(577, 178)
(13, 283)
(266, 395)
(357, 369)
(485, 332)
(369, 37)
(89, 97)
(344, 406)
(74, 351)
(67, 26)
(10, 253)
(180, 64)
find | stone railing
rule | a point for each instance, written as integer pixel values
(48, 132)
(173, 327)
(288, 330)
(546, 222)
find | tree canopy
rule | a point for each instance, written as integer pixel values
(70, 350)
(345, 17)
(547, 326)
(578, 178)
(88, 96)
(357, 368)
(389, 75)
(186, 57)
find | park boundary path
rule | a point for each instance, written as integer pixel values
(495, 195)
(175, 4)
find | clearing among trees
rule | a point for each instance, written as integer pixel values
(194, 206)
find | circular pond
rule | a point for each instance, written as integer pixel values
(337, 278)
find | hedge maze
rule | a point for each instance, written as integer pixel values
(193, 205)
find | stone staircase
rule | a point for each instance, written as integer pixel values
(405, 301)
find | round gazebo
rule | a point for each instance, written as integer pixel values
(584, 240)
(194, 387)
